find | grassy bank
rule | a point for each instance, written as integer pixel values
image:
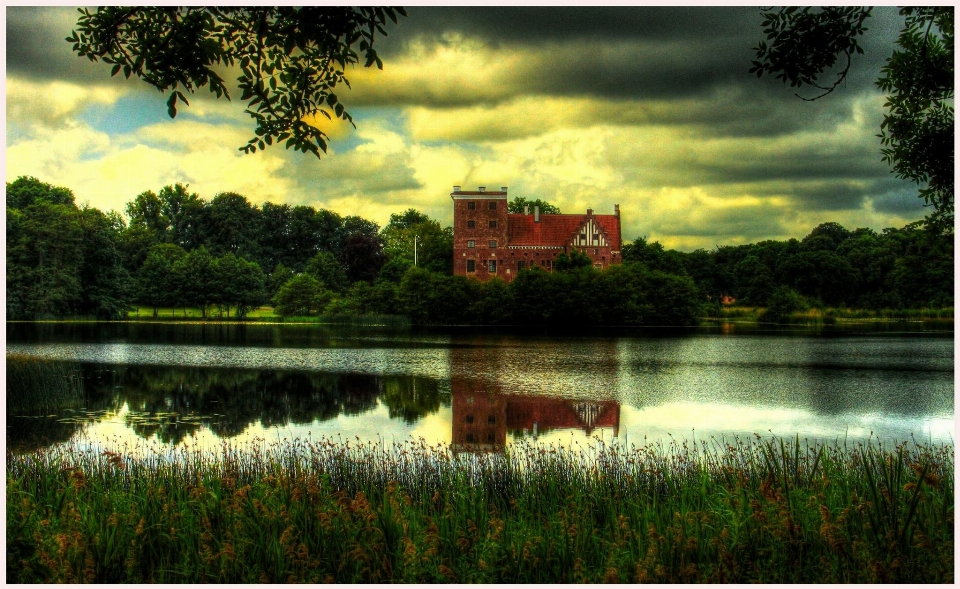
(39, 385)
(265, 315)
(314, 511)
(831, 315)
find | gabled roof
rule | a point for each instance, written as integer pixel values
(556, 230)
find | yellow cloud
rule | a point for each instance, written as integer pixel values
(53, 103)
(455, 70)
(334, 127)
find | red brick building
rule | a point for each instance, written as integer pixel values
(489, 242)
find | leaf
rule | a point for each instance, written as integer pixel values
(172, 105)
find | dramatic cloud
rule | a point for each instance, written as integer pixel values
(648, 108)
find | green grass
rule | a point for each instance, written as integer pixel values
(39, 385)
(832, 315)
(324, 510)
(266, 315)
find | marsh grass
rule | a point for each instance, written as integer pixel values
(835, 315)
(39, 385)
(328, 510)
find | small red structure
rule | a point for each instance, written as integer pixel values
(489, 242)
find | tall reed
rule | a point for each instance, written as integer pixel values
(766, 510)
(41, 385)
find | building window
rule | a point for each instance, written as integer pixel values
(583, 237)
(471, 266)
(547, 263)
(596, 252)
(490, 438)
(596, 238)
(521, 265)
(493, 224)
(471, 224)
(493, 243)
(470, 438)
(491, 419)
(471, 243)
(469, 419)
(471, 206)
(493, 205)
(491, 266)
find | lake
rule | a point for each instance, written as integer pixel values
(176, 385)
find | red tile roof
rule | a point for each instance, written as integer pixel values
(556, 230)
(558, 413)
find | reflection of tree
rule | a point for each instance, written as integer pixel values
(227, 400)
(173, 403)
(411, 398)
(28, 434)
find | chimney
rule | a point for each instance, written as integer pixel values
(589, 212)
(536, 213)
(483, 189)
(503, 189)
(526, 209)
(616, 211)
(456, 189)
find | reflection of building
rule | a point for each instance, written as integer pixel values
(482, 415)
(489, 242)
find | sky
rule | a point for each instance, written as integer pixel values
(649, 108)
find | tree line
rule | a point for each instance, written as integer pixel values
(910, 267)
(228, 256)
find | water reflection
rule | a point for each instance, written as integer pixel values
(171, 404)
(201, 384)
(482, 415)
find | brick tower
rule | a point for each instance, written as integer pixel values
(479, 232)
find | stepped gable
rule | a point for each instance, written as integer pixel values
(556, 230)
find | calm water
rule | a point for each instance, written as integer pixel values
(169, 385)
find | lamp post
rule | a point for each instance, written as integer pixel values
(415, 238)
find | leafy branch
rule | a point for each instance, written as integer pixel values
(291, 59)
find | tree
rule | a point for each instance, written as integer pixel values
(652, 255)
(362, 257)
(407, 219)
(106, 284)
(231, 226)
(291, 59)
(301, 295)
(238, 283)
(434, 249)
(185, 216)
(803, 44)
(44, 256)
(273, 234)
(518, 203)
(154, 283)
(755, 281)
(783, 302)
(328, 270)
(576, 259)
(147, 211)
(194, 281)
(280, 275)
(27, 190)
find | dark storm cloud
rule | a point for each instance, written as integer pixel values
(750, 223)
(37, 48)
(798, 166)
(634, 52)
(898, 197)
(511, 25)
